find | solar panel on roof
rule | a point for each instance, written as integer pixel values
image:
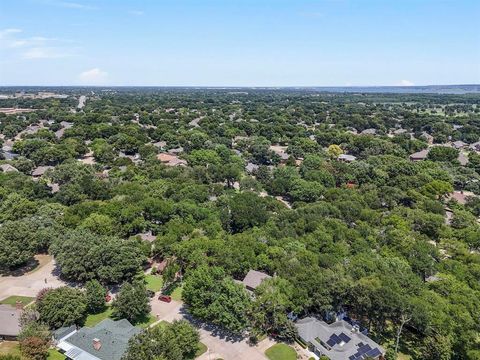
(344, 337)
(373, 353)
(364, 349)
(351, 357)
(331, 342)
(73, 353)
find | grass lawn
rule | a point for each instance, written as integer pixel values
(146, 321)
(10, 348)
(162, 324)
(281, 352)
(202, 348)
(94, 319)
(53, 354)
(12, 300)
(177, 293)
(154, 282)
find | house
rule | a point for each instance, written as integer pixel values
(8, 168)
(40, 171)
(368, 132)
(420, 155)
(10, 321)
(462, 159)
(108, 340)
(254, 278)
(171, 160)
(176, 150)
(475, 146)
(160, 144)
(346, 158)
(337, 341)
(460, 197)
(428, 137)
(459, 144)
(281, 151)
(251, 167)
(147, 236)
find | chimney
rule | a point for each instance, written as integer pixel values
(18, 305)
(97, 344)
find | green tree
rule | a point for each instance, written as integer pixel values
(95, 296)
(176, 341)
(211, 296)
(63, 306)
(132, 302)
(272, 303)
(82, 255)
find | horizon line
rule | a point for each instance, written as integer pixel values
(247, 86)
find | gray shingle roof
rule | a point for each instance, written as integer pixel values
(347, 344)
(9, 320)
(254, 278)
(113, 336)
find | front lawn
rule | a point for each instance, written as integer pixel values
(202, 348)
(12, 300)
(53, 354)
(9, 348)
(154, 282)
(94, 319)
(281, 352)
(177, 293)
(146, 321)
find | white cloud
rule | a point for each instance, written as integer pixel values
(45, 53)
(6, 32)
(93, 76)
(34, 47)
(137, 12)
(74, 5)
(405, 83)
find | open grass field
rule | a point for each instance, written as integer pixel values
(281, 352)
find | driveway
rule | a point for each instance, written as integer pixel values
(31, 283)
(218, 343)
(221, 348)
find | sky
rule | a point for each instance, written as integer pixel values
(239, 42)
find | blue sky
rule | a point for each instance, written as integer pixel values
(239, 42)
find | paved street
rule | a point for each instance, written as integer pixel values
(31, 283)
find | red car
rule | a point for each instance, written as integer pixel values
(165, 298)
(108, 297)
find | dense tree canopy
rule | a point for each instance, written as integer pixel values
(253, 180)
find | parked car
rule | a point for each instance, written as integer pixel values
(108, 297)
(165, 298)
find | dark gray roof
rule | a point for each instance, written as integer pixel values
(63, 331)
(113, 336)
